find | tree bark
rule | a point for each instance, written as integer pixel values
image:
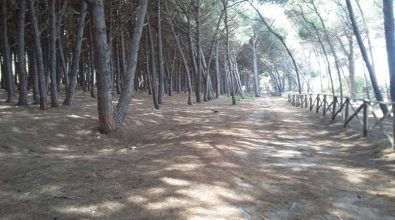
(184, 61)
(199, 57)
(70, 93)
(218, 74)
(53, 35)
(160, 53)
(228, 59)
(104, 80)
(153, 67)
(21, 54)
(39, 58)
(92, 64)
(388, 11)
(131, 64)
(255, 66)
(7, 55)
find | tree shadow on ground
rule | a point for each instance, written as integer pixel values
(261, 160)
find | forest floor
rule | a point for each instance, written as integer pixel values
(261, 159)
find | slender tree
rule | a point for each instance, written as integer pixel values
(281, 39)
(102, 58)
(388, 11)
(53, 35)
(7, 54)
(70, 93)
(39, 57)
(131, 64)
(364, 53)
(160, 53)
(153, 66)
(21, 54)
(228, 58)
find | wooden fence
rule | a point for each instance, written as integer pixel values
(365, 111)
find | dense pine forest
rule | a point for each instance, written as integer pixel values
(51, 49)
(176, 109)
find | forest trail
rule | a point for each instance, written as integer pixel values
(262, 159)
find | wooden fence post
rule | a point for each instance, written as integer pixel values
(317, 108)
(334, 107)
(293, 100)
(324, 110)
(297, 100)
(365, 118)
(311, 102)
(305, 100)
(346, 111)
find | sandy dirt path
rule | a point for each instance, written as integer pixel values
(262, 159)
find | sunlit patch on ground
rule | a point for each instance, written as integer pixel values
(261, 159)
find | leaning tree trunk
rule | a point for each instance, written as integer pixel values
(104, 80)
(333, 50)
(54, 87)
(131, 64)
(390, 43)
(21, 54)
(7, 55)
(317, 32)
(281, 38)
(39, 58)
(184, 61)
(364, 53)
(70, 93)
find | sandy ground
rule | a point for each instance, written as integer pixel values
(262, 159)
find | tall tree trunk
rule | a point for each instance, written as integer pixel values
(333, 50)
(21, 54)
(199, 57)
(153, 67)
(364, 53)
(39, 58)
(388, 11)
(92, 63)
(228, 59)
(218, 74)
(34, 71)
(351, 67)
(369, 41)
(253, 45)
(147, 67)
(70, 94)
(184, 61)
(54, 87)
(7, 55)
(61, 60)
(104, 80)
(131, 64)
(160, 53)
(317, 32)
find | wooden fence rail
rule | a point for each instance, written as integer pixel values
(364, 109)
